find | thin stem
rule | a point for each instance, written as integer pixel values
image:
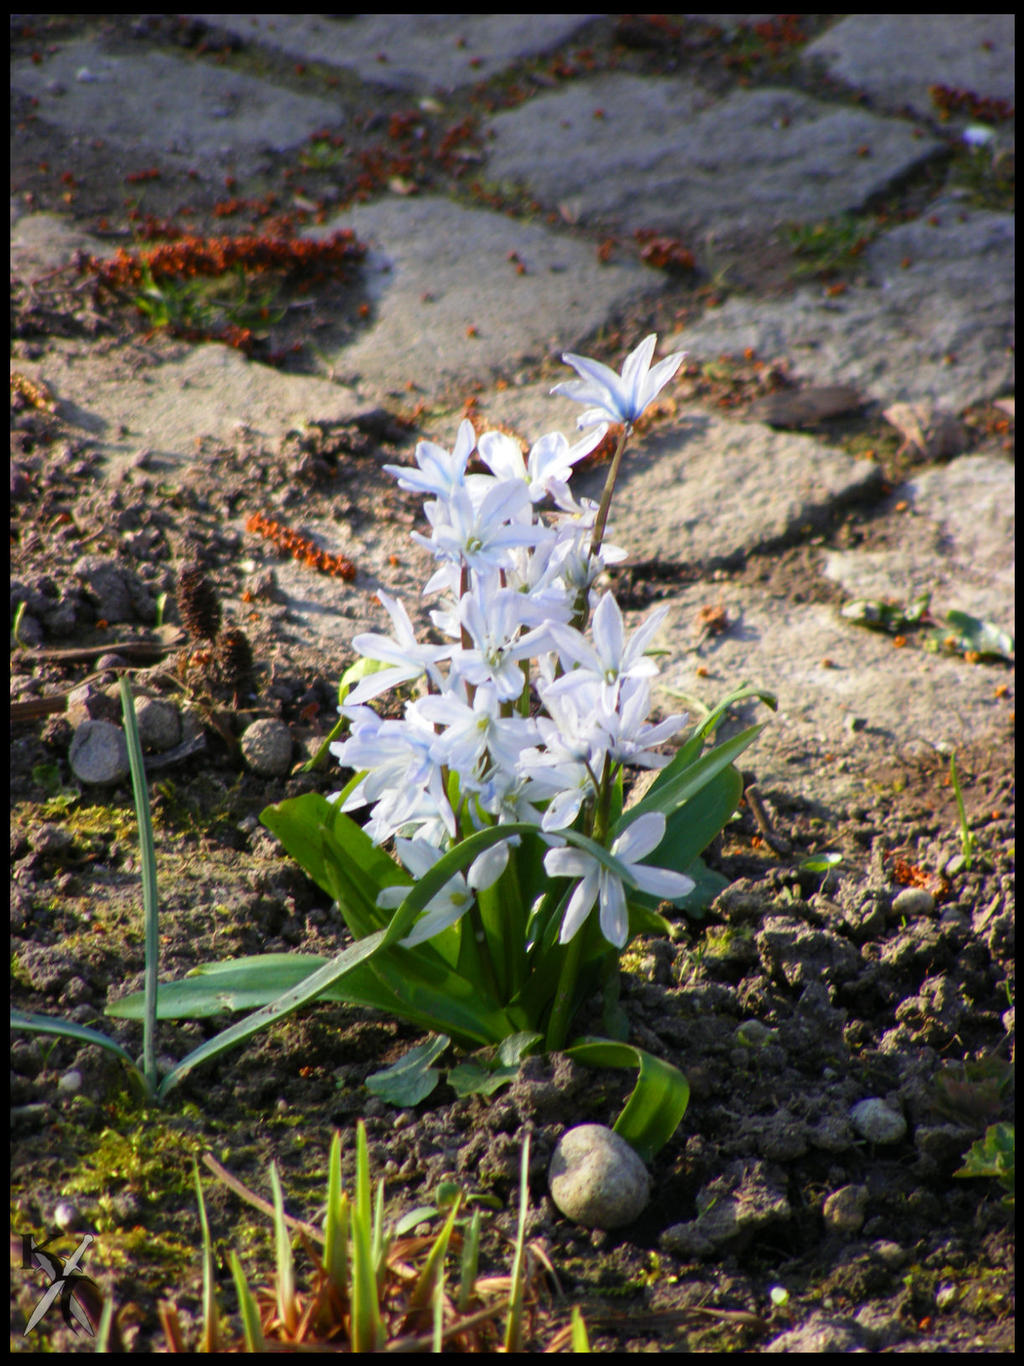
(581, 606)
(609, 489)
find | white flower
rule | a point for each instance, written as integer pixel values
(440, 472)
(479, 532)
(473, 728)
(400, 767)
(598, 883)
(610, 658)
(493, 616)
(443, 909)
(618, 398)
(548, 465)
(628, 737)
(409, 658)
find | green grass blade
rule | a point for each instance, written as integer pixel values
(580, 1341)
(432, 1274)
(285, 1262)
(150, 901)
(251, 1328)
(514, 1326)
(210, 1338)
(367, 1328)
(470, 1261)
(336, 1222)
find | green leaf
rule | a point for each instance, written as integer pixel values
(472, 1078)
(683, 778)
(653, 1112)
(409, 984)
(412, 1078)
(483, 1076)
(972, 635)
(993, 1155)
(279, 1009)
(68, 1029)
(691, 827)
(821, 863)
(334, 850)
(693, 747)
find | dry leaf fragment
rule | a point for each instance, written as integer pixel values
(932, 432)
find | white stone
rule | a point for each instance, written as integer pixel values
(878, 1122)
(596, 1179)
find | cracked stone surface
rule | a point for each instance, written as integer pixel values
(932, 316)
(437, 52)
(155, 104)
(896, 57)
(632, 153)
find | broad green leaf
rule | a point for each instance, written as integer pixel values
(412, 1078)
(688, 831)
(679, 782)
(652, 1114)
(470, 1078)
(401, 982)
(283, 1006)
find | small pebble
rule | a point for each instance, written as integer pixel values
(596, 1179)
(66, 1216)
(844, 1209)
(878, 1122)
(159, 723)
(267, 748)
(71, 1081)
(99, 753)
(914, 901)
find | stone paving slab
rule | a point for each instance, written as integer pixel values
(847, 698)
(157, 105)
(714, 491)
(422, 53)
(167, 407)
(632, 152)
(932, 317)
(44, 242)
(895, 57)
(449, 304)
(956, 542)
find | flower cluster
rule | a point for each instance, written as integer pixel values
(522, 714)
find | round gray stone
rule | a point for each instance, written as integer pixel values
(596, 1179)
(267, 748)
(159, 723)
(878, 1122)
(914, 901)
(99, 753)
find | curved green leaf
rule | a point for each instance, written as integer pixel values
(652, 1114)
